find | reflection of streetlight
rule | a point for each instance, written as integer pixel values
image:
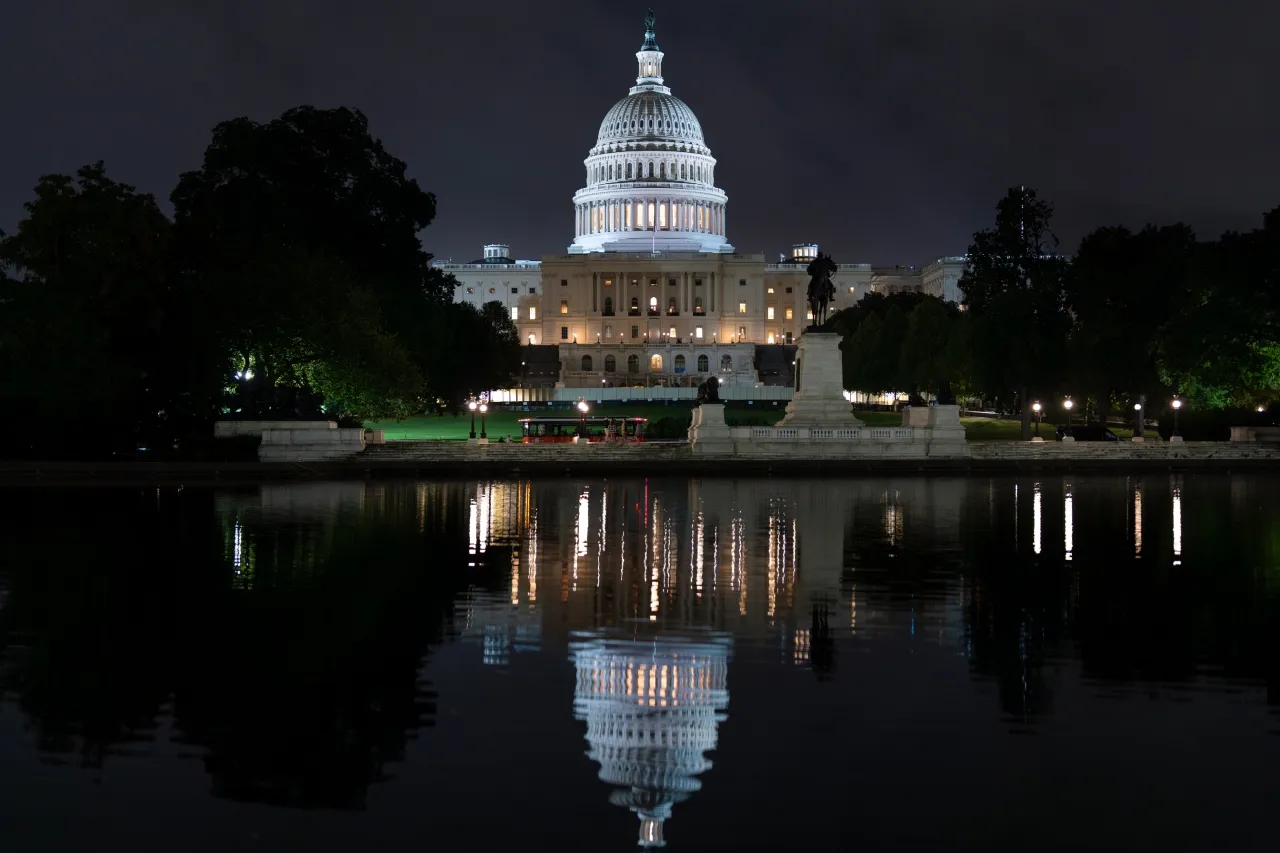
(472, 406)
(1068, 404)
(484, 407)
(582, 407)
(1039, 410)
(1177, 404)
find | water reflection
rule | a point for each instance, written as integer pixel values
(289, 638)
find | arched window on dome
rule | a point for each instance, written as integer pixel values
(611, 171)
(704, 363)
(633, 363)
(628, 171)
(662, 171)
(682, 172)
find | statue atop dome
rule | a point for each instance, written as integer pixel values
(650, 40)
(821, 290)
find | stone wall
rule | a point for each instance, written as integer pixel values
(311, 444)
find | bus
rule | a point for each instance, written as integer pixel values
(597, 429)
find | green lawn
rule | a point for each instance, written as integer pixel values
(502, 422)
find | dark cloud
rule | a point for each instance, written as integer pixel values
(885, 130)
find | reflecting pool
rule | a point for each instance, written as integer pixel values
(1009, 663)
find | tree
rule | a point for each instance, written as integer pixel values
(301, 235)
(1013, 283)
(858, 352)
(928, 359)
(100, 352)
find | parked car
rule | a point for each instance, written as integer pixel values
(1088, 433)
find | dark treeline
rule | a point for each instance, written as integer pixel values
(1132, 318)
(290, 282)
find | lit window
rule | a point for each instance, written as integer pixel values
(770, 290)
(771, 339)
(671, 333)
(515, 314)
(769, 312)
(809, 314)
(470, 290)
(564, 306)
(533, 339)
(851, 290)
(697, 332)
(742, 307)
(789, 314)
(608, 282)
(533, 312)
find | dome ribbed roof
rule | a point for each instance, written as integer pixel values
(651, 117)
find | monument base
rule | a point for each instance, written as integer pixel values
(819, 395)
(708, 432)
(942, 422)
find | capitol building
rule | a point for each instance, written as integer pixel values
(651, 292)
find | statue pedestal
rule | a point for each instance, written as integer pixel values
(708, 433)
(942, 422)
(819, 394)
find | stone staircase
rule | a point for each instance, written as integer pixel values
(1120, 451)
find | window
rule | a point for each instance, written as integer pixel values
(564, 306)
(808, 315)
(679, 363)
(608, 330)
(671, 282)
(671, 333)
(533, 290)
(655, 363)
(564, 333)
(704, 363)
(697, 282)
(564, 282)
(608, 306)
(633, 363)
(610, 364)
(769, 290)
(533, 312)
(586, 363)
(635, 332)
(533, 339)
(697, 332)
(635, 305)
(515, 314)
(742, 307)
(697, 305)
(742, 282)
(742, 333)
(470, 290)
(492, 291)
(789, 313)
(653, 282)
(851, 290)
(515, 290)
(788, 290)
(671, 306)
(726, 363)
(771, 338)
(653, 305)
(769, 312)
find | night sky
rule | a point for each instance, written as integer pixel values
(884, 130)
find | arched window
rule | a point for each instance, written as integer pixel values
(704, 363)
(679, 364)
(671, 305)
(611, 171)
(655, 363)
(683, 174)
(586, 363)
(608, 306)
(628, 171)
(662, 170)
(635, 305)
(697, 304)
(653, 305)
(610, 364)
(726, 363)
(633, 363)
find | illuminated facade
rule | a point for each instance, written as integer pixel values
(652, 708)
(650, 271)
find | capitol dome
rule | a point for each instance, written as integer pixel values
(650, 177)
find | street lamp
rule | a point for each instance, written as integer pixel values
(472, 406)
(484, 407)
(1039, 410)
(1177, 404)
(582, 424)
(1068, 404)
(1137, 421)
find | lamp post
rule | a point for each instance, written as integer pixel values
(484, 407)
(582, 423)
(1068, 404)
(1177, 405)
(472, 406)
(1137, 421)
(1039, 410)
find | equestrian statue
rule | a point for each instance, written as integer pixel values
(821, 291)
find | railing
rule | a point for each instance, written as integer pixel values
(812, 434)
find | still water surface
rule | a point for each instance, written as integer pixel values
(878, 664)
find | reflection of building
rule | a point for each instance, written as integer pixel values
(500, 625)
(651, 708)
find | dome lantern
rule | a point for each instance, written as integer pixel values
(649, 58)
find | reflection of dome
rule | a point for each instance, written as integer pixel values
(500, 626)
(650, 175)
(651, 710)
